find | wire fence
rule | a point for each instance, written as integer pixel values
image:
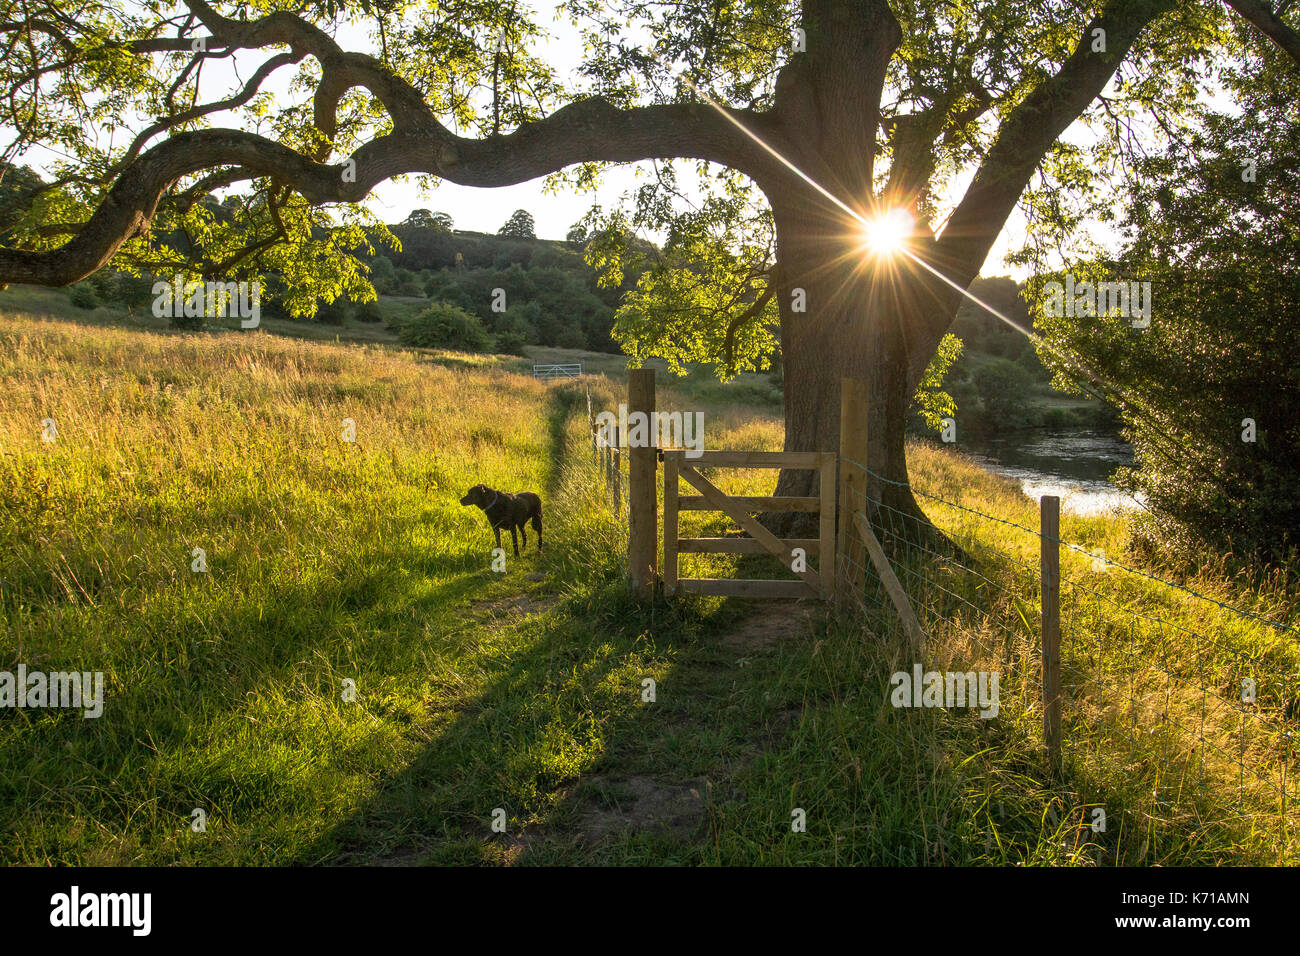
(611, 462)
(1174, 705)
(1165, 691)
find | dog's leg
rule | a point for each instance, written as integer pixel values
(537, 526)
(497, 532)
(523, 530)
(515, 538)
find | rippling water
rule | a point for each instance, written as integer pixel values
(1075, 464)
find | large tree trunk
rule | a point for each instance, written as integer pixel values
(878, 319)
(866, 317)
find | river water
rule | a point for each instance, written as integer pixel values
(1074, 463)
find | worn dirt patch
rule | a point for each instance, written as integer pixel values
(642, 803)
(516, 605)
(400, 858)
(771, 625)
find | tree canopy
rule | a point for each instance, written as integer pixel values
(520, 225)
(427, 219)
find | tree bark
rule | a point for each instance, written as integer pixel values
(866, 317)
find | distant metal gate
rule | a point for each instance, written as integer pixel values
(549, 373)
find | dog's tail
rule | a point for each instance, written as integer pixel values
(537, 517)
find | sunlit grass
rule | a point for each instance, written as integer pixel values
(332, 561)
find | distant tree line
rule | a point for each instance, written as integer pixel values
(550, 295)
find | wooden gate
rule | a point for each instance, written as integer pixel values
(818, 583)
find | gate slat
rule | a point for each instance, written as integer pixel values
(741, 545)
(747, 588)
(758, 503)
(807, 460)
(775, 546)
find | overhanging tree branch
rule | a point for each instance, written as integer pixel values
(1270, 24)
(1029, 132)
(589, 130)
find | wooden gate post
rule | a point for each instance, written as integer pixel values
(618, 475)
(643, 531)
(853, 484)
(671, 485)
(1049, 529)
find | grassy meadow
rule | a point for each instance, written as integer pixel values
(334, 563)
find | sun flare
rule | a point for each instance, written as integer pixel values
(886, 234)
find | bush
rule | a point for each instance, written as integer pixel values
(1002, 387)
(187, 323)
(332, 313)
(368, 312)
(444, 326)
(134, 292)
(511, 343)
(83, 296)
(1058, 418)
(520, 319)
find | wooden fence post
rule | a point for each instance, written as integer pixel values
(607, 457)
(618, 475)
(853, 483)
(642, 531)
(1049, 529)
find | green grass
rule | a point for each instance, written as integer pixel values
(331, 561)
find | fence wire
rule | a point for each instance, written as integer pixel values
(1203, 708)
(612, 465)
(1198, 709)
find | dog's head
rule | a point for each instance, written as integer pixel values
(478, 495)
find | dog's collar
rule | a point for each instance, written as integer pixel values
(495, 496)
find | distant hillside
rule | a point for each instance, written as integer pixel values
(550, 294)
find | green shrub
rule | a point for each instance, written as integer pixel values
(332, 313)
(83, 296)
(187, 323)
(511, 343)
(1002, 387)
(443, 326)
(134, 292)
(368, 312)
(1057, 418)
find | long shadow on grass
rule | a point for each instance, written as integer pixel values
(554, 700)
(547, 701)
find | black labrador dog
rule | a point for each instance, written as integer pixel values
(508, 511)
